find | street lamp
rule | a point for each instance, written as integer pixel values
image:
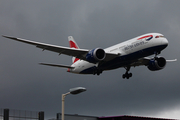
(73, 91)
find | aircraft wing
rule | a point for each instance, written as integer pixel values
(145, 61)
(78, 53)
(59, 49)
(141, 61)
(171, 60)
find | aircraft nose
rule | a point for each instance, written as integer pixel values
(164, 41)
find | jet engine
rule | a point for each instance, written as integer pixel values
(95, 55)
(157, 63)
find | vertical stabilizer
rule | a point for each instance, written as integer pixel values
(73, 44)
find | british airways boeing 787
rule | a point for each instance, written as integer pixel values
(130, 53)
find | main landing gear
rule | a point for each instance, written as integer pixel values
(127, 75)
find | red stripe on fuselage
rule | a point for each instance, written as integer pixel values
(145, 37)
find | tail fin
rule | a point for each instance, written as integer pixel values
(73, 44)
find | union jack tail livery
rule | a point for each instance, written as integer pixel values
(73, 44)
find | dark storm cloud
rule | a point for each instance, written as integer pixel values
(26, 85)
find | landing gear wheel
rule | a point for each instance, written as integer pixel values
(127, 75)
(130, 74)
(98, 73)
(124, 76)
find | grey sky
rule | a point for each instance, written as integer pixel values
(26, 85)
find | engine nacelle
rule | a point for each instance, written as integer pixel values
(157, 64)
(95, 55)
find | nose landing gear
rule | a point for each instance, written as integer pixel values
(127, 75)
(157, 53)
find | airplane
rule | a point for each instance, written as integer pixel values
(130, 53)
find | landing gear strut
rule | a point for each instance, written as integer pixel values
(127, 75)
(156, 53)
(97, 71)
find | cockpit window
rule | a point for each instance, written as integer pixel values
(159, 36)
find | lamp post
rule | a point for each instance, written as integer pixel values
(73, 91)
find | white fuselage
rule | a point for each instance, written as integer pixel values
(135, 48)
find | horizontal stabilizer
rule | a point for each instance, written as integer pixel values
(55, 65)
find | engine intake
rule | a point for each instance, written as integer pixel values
(157, 64)
(95, 55)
